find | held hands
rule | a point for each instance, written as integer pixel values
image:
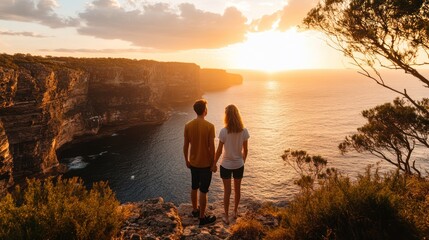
(214, 168)
(188, 164)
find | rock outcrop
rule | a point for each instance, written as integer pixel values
(156, 219)
(47, 102)
(151, 219)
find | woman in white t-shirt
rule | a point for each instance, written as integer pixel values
(233, 140)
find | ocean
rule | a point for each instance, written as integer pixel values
(309, 110)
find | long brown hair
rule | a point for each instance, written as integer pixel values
(233, 122)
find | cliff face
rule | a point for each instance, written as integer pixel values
(6, 179)
(47, 102)
(8, 85)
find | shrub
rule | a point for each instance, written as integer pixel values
(60, 209)
(373, 207)
(412, 194)
(392, 206)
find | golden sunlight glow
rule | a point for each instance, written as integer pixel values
(271, 85)
(273, 51)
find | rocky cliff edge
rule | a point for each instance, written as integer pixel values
(155, 219)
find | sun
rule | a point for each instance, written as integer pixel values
(273, 51)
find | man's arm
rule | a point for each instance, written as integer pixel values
(211, 150)
(211, 146)
(186, 144)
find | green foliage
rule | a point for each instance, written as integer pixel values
(394, 206)
(393, 34)
(61, 209)
(392, 132)
(373, 207)
(412, 194)
(393, 29)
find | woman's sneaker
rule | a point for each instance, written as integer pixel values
(207, 220)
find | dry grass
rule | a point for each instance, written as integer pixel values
(247, 229)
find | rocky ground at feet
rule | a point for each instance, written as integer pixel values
(156, 219)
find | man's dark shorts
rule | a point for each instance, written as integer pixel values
(227, 173)
(201, 178)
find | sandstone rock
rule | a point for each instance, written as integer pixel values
(8, 86)
(6, 164)
(153, 219)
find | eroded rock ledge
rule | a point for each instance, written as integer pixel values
(155, 219)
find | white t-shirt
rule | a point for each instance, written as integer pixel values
(233, 144)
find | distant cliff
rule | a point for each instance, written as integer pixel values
(47, 102)
(218, 79)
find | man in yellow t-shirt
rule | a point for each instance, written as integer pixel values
(199, 135)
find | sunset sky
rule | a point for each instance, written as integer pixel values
(230, 34)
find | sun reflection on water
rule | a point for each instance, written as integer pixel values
(271, 85)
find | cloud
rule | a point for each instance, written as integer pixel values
(162, 27)
(40, 11)
(24, 34)
(291, 15)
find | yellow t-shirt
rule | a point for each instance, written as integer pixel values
(198, 132)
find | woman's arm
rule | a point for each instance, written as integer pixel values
(245, 150)
(218, 152)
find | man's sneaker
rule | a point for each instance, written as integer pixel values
(196, 213)
(207, 220)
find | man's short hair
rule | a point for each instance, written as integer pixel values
(200, 106)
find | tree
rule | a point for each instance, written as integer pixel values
(309, 168)
(391, 34)
(391, 133)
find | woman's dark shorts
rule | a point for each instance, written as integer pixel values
(236, 173)
(201, 178)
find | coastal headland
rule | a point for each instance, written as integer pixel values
(48, 102)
